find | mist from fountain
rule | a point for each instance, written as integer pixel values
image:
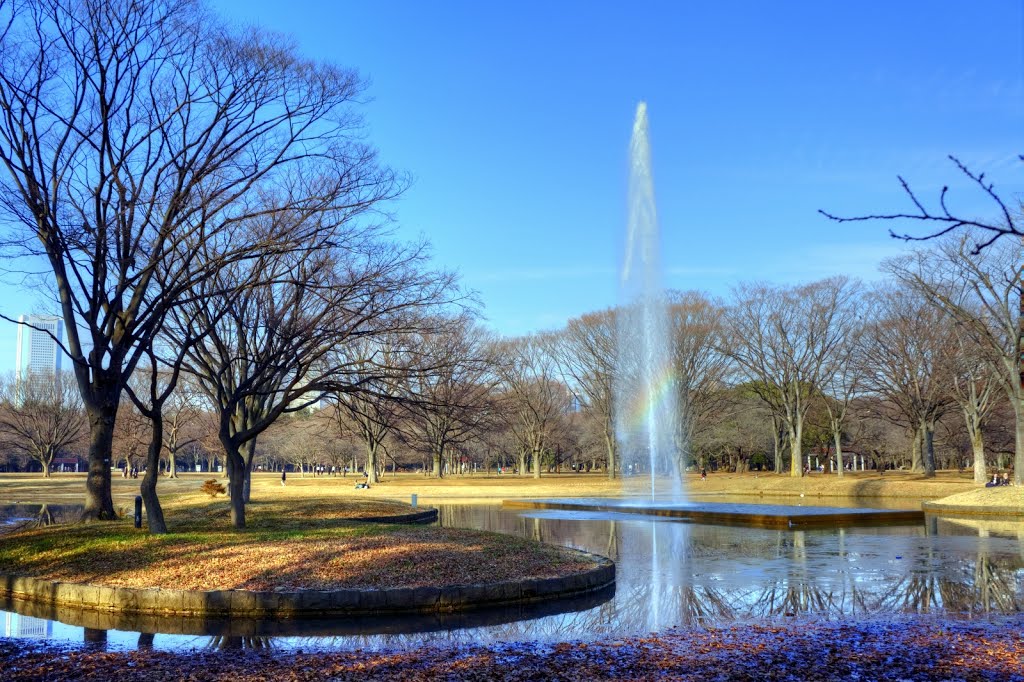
(645, 392)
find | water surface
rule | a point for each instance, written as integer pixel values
(668, 574)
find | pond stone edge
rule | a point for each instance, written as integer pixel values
(973, 510)
(426, 516)
(245, 603)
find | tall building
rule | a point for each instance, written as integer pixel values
(38, 352)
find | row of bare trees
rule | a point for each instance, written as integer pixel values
(877, 371)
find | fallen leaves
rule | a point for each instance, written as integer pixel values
(902, 649)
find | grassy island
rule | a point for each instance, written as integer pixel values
(292, 544)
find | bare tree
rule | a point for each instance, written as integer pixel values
(983, 291)
(40, 415)
(131, 435)
(370, 413)
(129, 130)
(535, 399)
(908, 354)
(182, 426)
(586, 354)
(274, 350)
(975, 384)
(784, 339)
(842, 382)
(981, 233)
(451, 403)
(941, 222)
(700, 365)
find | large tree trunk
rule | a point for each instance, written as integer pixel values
(236, 481)
(795, 448)
(438, 473)
(371, 462)
(154, 513)
(99, 504)
(916, 460)
(536, 462)
(977, 448)
(46, 459)
(246, 451)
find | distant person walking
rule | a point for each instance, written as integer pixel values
(284, 476)
(704, 475)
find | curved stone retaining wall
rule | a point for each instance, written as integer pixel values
(307, 602)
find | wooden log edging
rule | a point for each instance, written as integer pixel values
(304, 603)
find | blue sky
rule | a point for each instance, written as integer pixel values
(514, 121)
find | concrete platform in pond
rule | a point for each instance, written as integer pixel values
(756, 515)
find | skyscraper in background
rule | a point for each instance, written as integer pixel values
(16, 625)
(38, 352)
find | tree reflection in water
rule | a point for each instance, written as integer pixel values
(237, 643)
(670, 573)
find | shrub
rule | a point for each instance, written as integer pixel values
(212, 488)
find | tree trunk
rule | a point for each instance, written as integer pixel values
(928, 433)
(777, 442)
(154, 513)
(536, 462)
(521, 459)
(795, 438)
(837, 436)
(438, 473)
(172, 464)
(371, 462)
(236, 481)
(978, 448)
(1018, 458)
(609, 439)
(916, 460)
(99, 504)
(247, 449)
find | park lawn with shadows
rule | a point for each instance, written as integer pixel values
(292, 544)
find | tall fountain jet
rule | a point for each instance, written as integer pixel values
(645, 388)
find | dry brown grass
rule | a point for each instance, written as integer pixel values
(492, 489)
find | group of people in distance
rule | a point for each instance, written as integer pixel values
(999, 480)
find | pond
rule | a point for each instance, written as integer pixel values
(668, 574)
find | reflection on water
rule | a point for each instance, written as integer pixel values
(15, 516)
(668, 574)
